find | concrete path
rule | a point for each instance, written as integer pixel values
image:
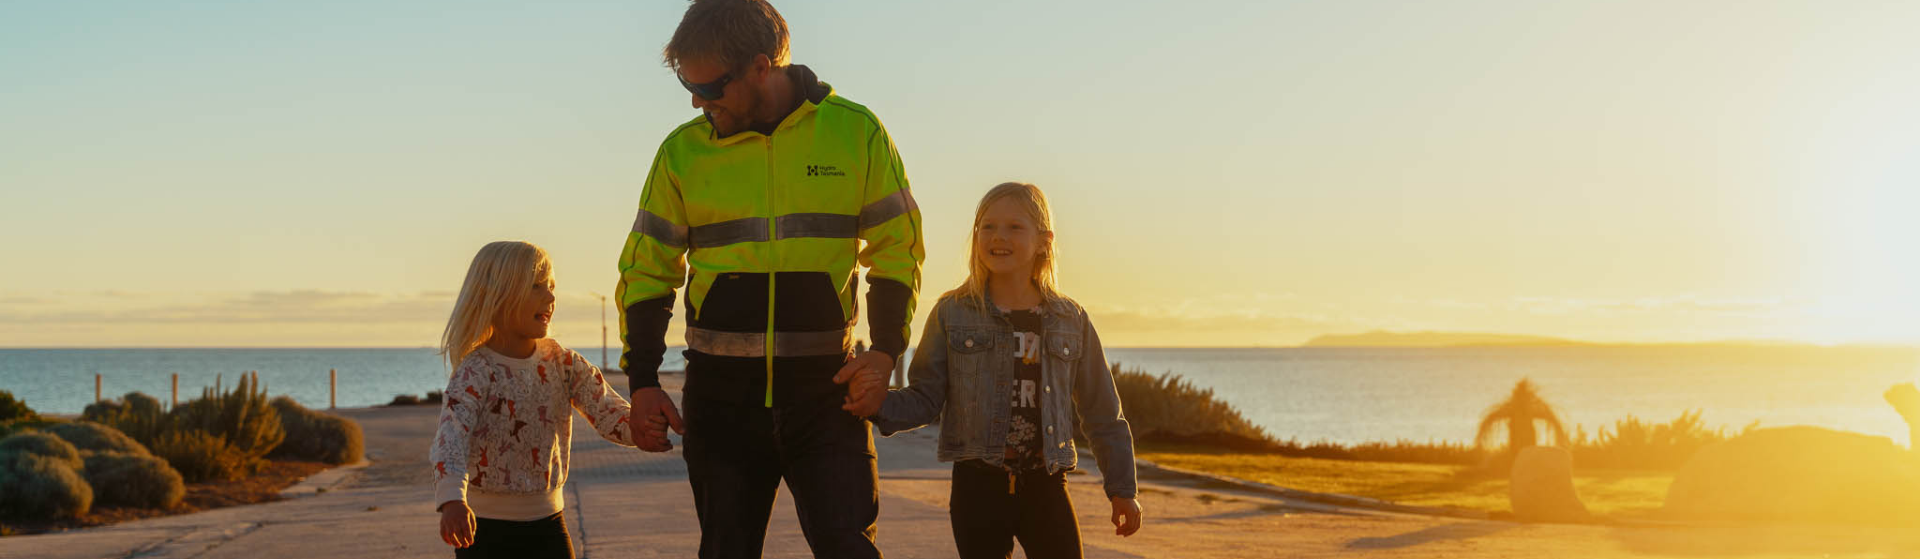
(625, 503)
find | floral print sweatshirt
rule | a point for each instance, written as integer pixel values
(506, 429)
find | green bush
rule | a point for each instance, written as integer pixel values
(201, 456)
(9, 428)
(242, 417)
(137, 415)
(12, 409)
(133, 480)
(40, 444)
(317, 436)
(404, 400)
(34, 486)
(1171, 409)
(94, 437)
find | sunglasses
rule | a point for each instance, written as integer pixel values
(711, 91)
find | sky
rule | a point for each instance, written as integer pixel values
(1222, 173)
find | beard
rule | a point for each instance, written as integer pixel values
(737, 116)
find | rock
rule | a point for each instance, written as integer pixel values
(1799, 474)
(1542, 487)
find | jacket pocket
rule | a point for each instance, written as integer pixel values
(1064, 346)
(969, 342)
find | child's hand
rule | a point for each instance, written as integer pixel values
(1128, 509)
(653, 413)
(456, 524)
(868, 377)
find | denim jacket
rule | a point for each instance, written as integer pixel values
(963, 372)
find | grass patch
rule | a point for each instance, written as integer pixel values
(1608, 493)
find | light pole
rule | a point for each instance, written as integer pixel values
(603, 329)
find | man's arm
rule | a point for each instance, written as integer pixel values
(652, 265)
(890, 225)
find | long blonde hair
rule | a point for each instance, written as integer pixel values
(500, 277)
(1035, 203)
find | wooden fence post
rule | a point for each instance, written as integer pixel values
(176, 392)
(333, 387)
(96, 387)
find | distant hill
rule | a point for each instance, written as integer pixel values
(1434, 339)
(1469, 339)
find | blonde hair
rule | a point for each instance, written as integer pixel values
(1034, 202)
(500, 277)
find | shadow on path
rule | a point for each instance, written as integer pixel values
(1443, 532)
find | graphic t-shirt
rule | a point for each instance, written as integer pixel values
(1024, 439)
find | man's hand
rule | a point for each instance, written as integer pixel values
(653, 414)
(456, 524)
(868, 372)
(1126, 516)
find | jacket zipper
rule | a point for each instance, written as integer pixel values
(772, 234)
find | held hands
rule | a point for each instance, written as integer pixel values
(653, 413)
(456, 524)
(868, 374)
(1126, 516)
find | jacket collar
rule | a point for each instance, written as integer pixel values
(812, 92)
(1049, 306)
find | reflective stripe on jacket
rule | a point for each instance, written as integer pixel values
(765, 232)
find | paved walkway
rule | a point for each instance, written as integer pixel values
(625, 503)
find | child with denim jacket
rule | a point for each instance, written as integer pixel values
(1010, 366)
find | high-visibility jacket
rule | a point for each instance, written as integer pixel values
(765, 232)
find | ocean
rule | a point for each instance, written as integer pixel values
(1343, 395)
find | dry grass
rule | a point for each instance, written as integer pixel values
(1615, 494)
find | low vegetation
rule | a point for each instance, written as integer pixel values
(133, 455)
(316, 436)
(1622, 469)
(1170, 411)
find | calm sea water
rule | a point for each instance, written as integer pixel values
(1335, 394)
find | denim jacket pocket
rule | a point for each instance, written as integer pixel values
(969, 341)
(1064, 346)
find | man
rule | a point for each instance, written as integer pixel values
(762, 208)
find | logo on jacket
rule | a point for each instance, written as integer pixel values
(825, 171)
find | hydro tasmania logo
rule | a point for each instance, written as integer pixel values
(825, 171)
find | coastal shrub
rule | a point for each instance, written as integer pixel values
(44, 445)
(1404, 451)
(433, 397)
(94, 437)
(1167, 408)
(404, 400)
(136, 415)
(201, 456)
(317, 436)
(133, 480)
(12, 408)
(9, 428)
(1632, 443)
(241, 417)
(35, 486)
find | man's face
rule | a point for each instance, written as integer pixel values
(734, 110)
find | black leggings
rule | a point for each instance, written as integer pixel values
(990, 509)
(544, 538)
